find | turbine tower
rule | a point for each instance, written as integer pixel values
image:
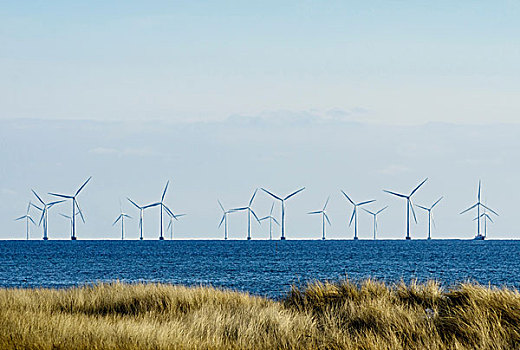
(430, 216)
(75, 205)
(170, 223)
(323, 217)
(409, 205)
(224, 219)
(283, 206)
(45, 213)
(375, 218)
(28, 219)
(355, 213)
(271, 219)
(141, 214)
(486, 217)
(122, 218)
(249, 212)
(477, 205)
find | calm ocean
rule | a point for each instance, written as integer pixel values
(259, 267)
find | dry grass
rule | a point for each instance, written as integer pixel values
(368, 315)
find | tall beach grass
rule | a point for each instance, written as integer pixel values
(344, 315)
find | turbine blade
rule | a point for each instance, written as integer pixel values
(134, 203)
(423, 208)
(327, 202)
(165, 189)
(41, 218)
(350, 200)
(294, 193)
(254, 214)
(366, 202)
(434, 204)
(221, 206)
(115, 222)
(276, 221)
(433, 221)
(151, 205)
(470, 208)
(20, 218)
(271, 194)
(479, 187)
(35, 206)
(222, 220)
(264, 218)
(169, 212)
(51, 204)
(381, 210)
(31, 220)
(271, 212)
(169, 224)
(315, 212)
(352, 217)
(368, 211)
(36, 194)
(80, 211)
(396, 194)
(410, 203)
(239, 209)
(65, 216)
(327, 217)
(491, 210)
(253, 197)
(82, 186)
(61, 195)
(415, 190)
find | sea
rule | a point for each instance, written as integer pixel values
(266, 268)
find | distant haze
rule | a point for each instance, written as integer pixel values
(228, 160)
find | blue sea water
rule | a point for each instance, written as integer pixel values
(260, 267)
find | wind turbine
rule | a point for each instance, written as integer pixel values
(45, 213)
(375, 218)
(430, 216)
(74, 206)
(165, 208)
(122, 218)
(141, 214)
(478, 205)
(224, 219)
(355, 213)
(323, 217)
(283, 206)
(28, 219)
(409, 205)
(486, 218)
(170, 223)
(249, 212)
(271, 219)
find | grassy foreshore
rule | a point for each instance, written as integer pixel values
(368, 315)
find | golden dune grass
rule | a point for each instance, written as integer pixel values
(346, 315)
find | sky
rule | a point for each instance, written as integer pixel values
(222, 97)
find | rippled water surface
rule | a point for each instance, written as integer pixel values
(260, 267)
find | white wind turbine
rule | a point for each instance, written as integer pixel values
(478, 205)
(28, 219)
(409, 205)
(323, 217)
(374, 215)
(122, 216)
(170, 222)
(249, 212)
(355, 213)
(45, 213)
(75, 206)
(224, 219)
(141, 214)
(430, 216)
(165, 208)
(282, 200)
(271, 218)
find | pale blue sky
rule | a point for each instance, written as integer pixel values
(404, 61)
